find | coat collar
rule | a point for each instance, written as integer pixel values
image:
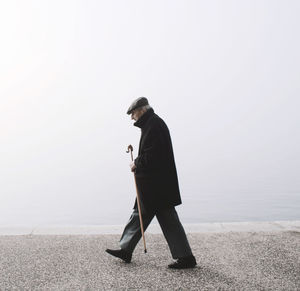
(144, 118)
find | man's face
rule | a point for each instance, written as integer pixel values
(136, 114)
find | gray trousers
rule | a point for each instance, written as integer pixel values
(171, 227)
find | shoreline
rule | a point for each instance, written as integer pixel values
(216, 227)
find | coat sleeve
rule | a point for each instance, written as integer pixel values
(152, 155)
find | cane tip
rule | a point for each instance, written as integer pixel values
(145, 251)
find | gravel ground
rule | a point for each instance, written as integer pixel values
(226, 261)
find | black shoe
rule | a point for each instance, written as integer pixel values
(184, 263)
(124, 255)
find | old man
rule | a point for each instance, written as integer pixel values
(157, 183)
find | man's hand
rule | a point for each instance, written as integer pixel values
(132, 166)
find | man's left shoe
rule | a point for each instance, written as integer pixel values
(184, 263)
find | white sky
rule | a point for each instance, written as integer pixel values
(224, 75)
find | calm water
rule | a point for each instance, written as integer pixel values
(242, 207)
(202, 208)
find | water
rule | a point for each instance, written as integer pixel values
(241, 207)
(217, 207)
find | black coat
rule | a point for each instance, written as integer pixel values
(155, 173)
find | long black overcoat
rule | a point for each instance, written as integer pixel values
(156, 174)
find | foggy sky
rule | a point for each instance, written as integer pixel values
(224, 75)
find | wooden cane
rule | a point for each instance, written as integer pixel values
(130, 148)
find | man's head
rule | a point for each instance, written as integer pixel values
(137, 113)
(138, 108)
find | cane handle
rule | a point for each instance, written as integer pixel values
(130, 149)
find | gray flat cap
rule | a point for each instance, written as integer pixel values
(141, 101)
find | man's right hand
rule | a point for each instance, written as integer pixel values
(132, 166)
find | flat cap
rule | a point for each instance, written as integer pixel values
(139, 102)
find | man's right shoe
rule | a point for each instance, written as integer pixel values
(184, 263)
(122, 254)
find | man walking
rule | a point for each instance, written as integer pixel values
(157, 183)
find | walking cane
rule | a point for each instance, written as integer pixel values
(130, 148)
